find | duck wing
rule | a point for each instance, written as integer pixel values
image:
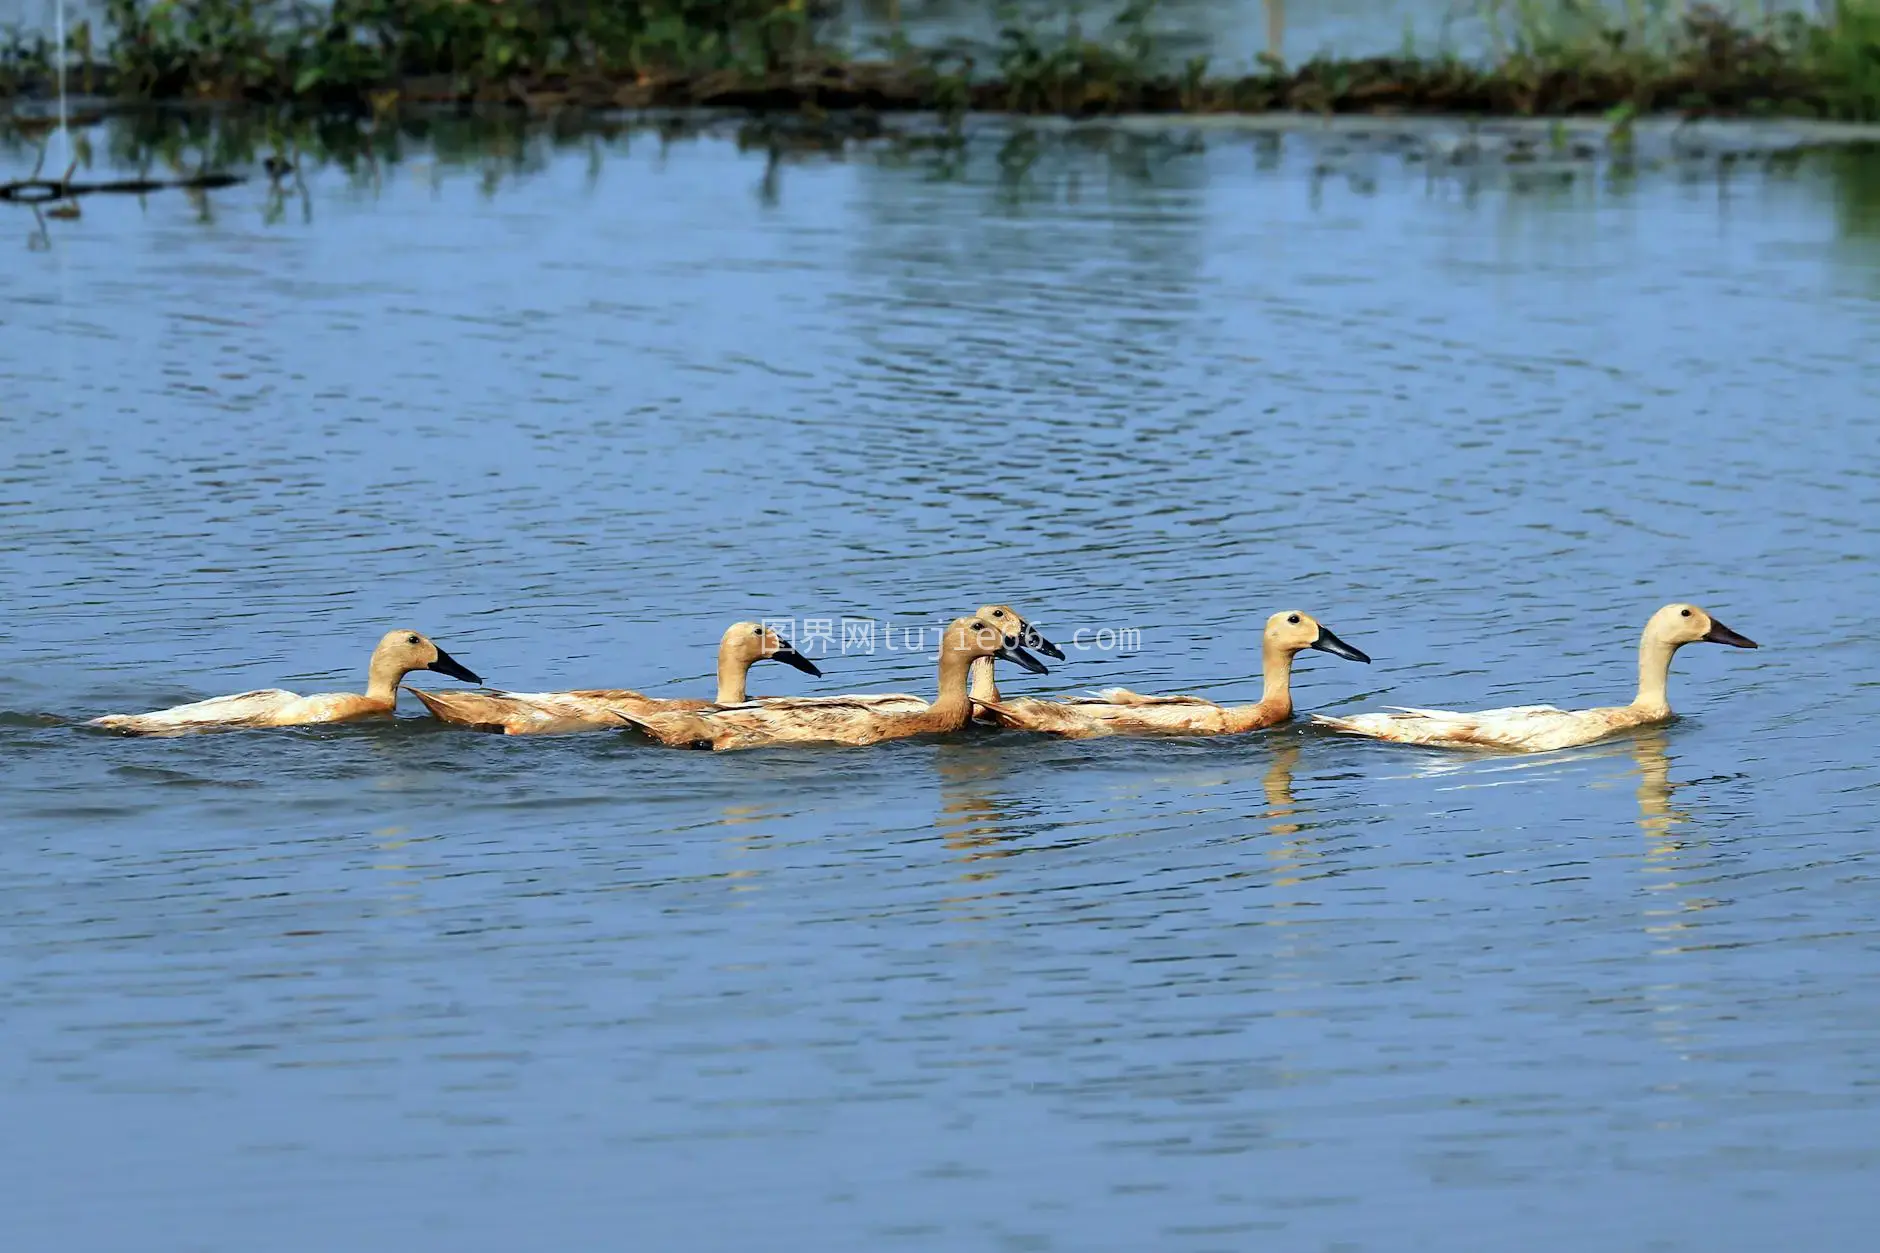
(1049, 717)
(532, 713)
(243, 709)
(1123, 696)
(1510, 713)
(873, 702)
(1515, 726)
(755, 723)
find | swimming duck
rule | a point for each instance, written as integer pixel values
(1119, 711)
(839, 720)
(1542, 728)
(398, 654)
(590, 709)
(983, 684)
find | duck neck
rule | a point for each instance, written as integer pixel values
(985, 684)
(382, 679)
(951, 710)
(1654, 669)
(732, 670)
(1275, 693)
(1276, 681)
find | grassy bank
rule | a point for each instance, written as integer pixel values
(1551, 57)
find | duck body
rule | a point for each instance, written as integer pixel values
(1119, 711)
(398, 653)
(868, 702)
(1518, 728)
(593, 709)
(267, 707)
(546, 713)
(1544, 728)
(820, 720)
(856, 720)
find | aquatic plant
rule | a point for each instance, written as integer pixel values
(1701, 58)
(370, 56)
(285, 49)
(1073, 72)
(1844, 52)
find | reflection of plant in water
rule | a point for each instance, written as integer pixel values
(1018, 165)
(1856, 178)
(503, 145)
(233, 139)
(1621, 137)
(1040, 167)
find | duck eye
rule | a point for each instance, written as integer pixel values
(757, 630)
(998, 613)
(411, 639)
(1684, 613)
(1293, 618)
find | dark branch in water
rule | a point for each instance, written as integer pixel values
(46, 190)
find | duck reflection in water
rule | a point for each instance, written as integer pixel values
(1673, 925)
(1278, 784)
(1291, 848)
(750, 835)
(1672, 855)
(1656, 818)
(974, 820)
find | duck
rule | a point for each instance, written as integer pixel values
(983, 684)
(398, 654)
(1543, 728)
(1119, 711)
(590, 709)
(839, 720)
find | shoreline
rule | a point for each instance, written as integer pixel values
(1366, 87)
(225, 144)
(777, 59)
(1743, 134)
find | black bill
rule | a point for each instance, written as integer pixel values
(790, 657)
(1329, 643)
(1019, 657)
(1721, 634)
(1031, 639)
(447, 664)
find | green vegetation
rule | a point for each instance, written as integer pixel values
(290, 50)
(1550, 57)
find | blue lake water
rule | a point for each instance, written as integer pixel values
(570, 407)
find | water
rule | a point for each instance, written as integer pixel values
(571, 408)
